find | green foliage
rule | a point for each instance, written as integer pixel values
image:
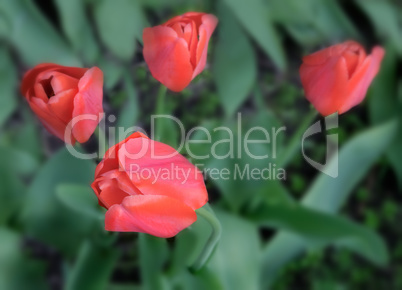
(328, 195)
(17, 271)
(357, 156)
(269, 237)
(120, 24)
(385, 103)
(237, 263)
(130, 110)
(312, 22)
(235, 59)
(77, 29)
(93, 268)
(153, 255)
(385, 18)
(79, 198)
(8, 83)
(259, 26)
(14, 165)
(235, 156)
(324, 229)
(43, 216)
(33, 36)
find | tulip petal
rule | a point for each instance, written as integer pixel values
(191, 37)
(112, 194)
(325, 84)
(160, 216)
(30, 76)
(168, 57)
(61, 82)
(74, 72)
(62, 104)
(110, 160)
(194, 16)
(362, 78)
(178, 28)
(317, 58)
(352, 61)
(158, 169)
(123, 181)
(206, 29)
(39, 92)
(49, 120)
(88, 104)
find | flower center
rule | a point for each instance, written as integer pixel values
(47, 87)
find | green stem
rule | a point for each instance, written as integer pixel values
(295, 142)
(160, 109)
(101, 136)
(79, 147)
(211, 242)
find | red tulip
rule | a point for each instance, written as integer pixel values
(336, 78)
(176, 51)
(58, 94)
(148, 187)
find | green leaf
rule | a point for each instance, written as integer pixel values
(34, 37)
(129, 113)
(11, 194)
(383, 92)
(235, 66)
(238, 190)
(44, 216)
(286, 154)
(77, 28)
(153, 256)
(17, 271)
(394, 153)
(8, 85)
(355, 159)
(14, 164)
(204, 279)
(386, 20)
(157, 5)
(312, 22)
(124, 286)
(324, 229)
(189, 244)
(112, 71)
(237, 258)
(28, 137)
(328, 194)
(221, 154)
(93, 268)
(252, 15)
(80, 198)
(272, 192)
(120, 24)
(18, 161)
(384, 104)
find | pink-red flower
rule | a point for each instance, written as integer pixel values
(58, 94)
(336, 78)
(176, 51)
(148, 187)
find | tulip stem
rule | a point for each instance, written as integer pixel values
(101, 136)
(160, 109)
(212, 240)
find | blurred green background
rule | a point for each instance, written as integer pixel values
(309, 231)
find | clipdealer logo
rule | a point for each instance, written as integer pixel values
(330, 166)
